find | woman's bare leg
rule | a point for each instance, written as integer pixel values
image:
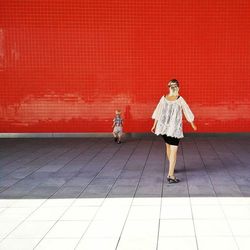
(172, 159)
(168, 151)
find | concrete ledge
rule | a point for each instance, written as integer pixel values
(108, 135)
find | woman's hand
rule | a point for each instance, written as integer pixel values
(153, 129)
(193, 126)
(154, 125)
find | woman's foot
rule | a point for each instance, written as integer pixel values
(172, 179)
(115, 139)
(119, 142)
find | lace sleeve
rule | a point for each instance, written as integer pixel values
(157, 112)
(187, 111)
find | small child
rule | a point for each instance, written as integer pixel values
(117, 125)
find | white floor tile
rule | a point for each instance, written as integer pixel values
(7, 202)
(82, 202)
(32, 229)
(207, 212)
(140, 229)
(176, 228)
(62, 244)
(176, 212)
(234, 200)
(47, 213)
(178, 201)
(28, 203)
(80, 213)
(68, 229)
(110, 213)
(212, 227)
(148, 201)
(177, 243)
(243, 242)
(2, 209)
(13, 213)
(6, 227)
(236, 211)
(20, 244)
(240, 227)
(103, 229)
(57, 203)
(204, 201)
(117, 202)
(208, 243)
(144, 213)
(146, 243)
(97, 243)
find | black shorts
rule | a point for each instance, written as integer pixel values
(171, 140)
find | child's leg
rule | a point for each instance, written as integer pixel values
(119, 135)
(119, 138)
(115, 132)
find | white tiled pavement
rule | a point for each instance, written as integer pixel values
(93, 194)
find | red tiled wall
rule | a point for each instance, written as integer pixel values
(65, 66)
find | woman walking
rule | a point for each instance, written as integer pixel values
(168, 123)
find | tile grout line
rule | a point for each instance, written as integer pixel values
(107, 193)
(32, 211)
(134, 196)
(16, 149)
(58, 156)
(241, 162)
(213, 187)
(191, 208)
(162, 188)
(37, 158)
(70, 205)
(219, 199)
(90, 144)
(24, 155)
(67, 208)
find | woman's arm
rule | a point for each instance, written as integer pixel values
(188, 113)
(154, 125)
(156, 114)
(193, 126)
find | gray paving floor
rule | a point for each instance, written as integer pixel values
(90, 193)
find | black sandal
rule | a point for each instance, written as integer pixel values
(172, 180)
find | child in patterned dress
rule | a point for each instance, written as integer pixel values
(117, 126)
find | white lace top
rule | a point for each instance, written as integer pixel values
(169, 116)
